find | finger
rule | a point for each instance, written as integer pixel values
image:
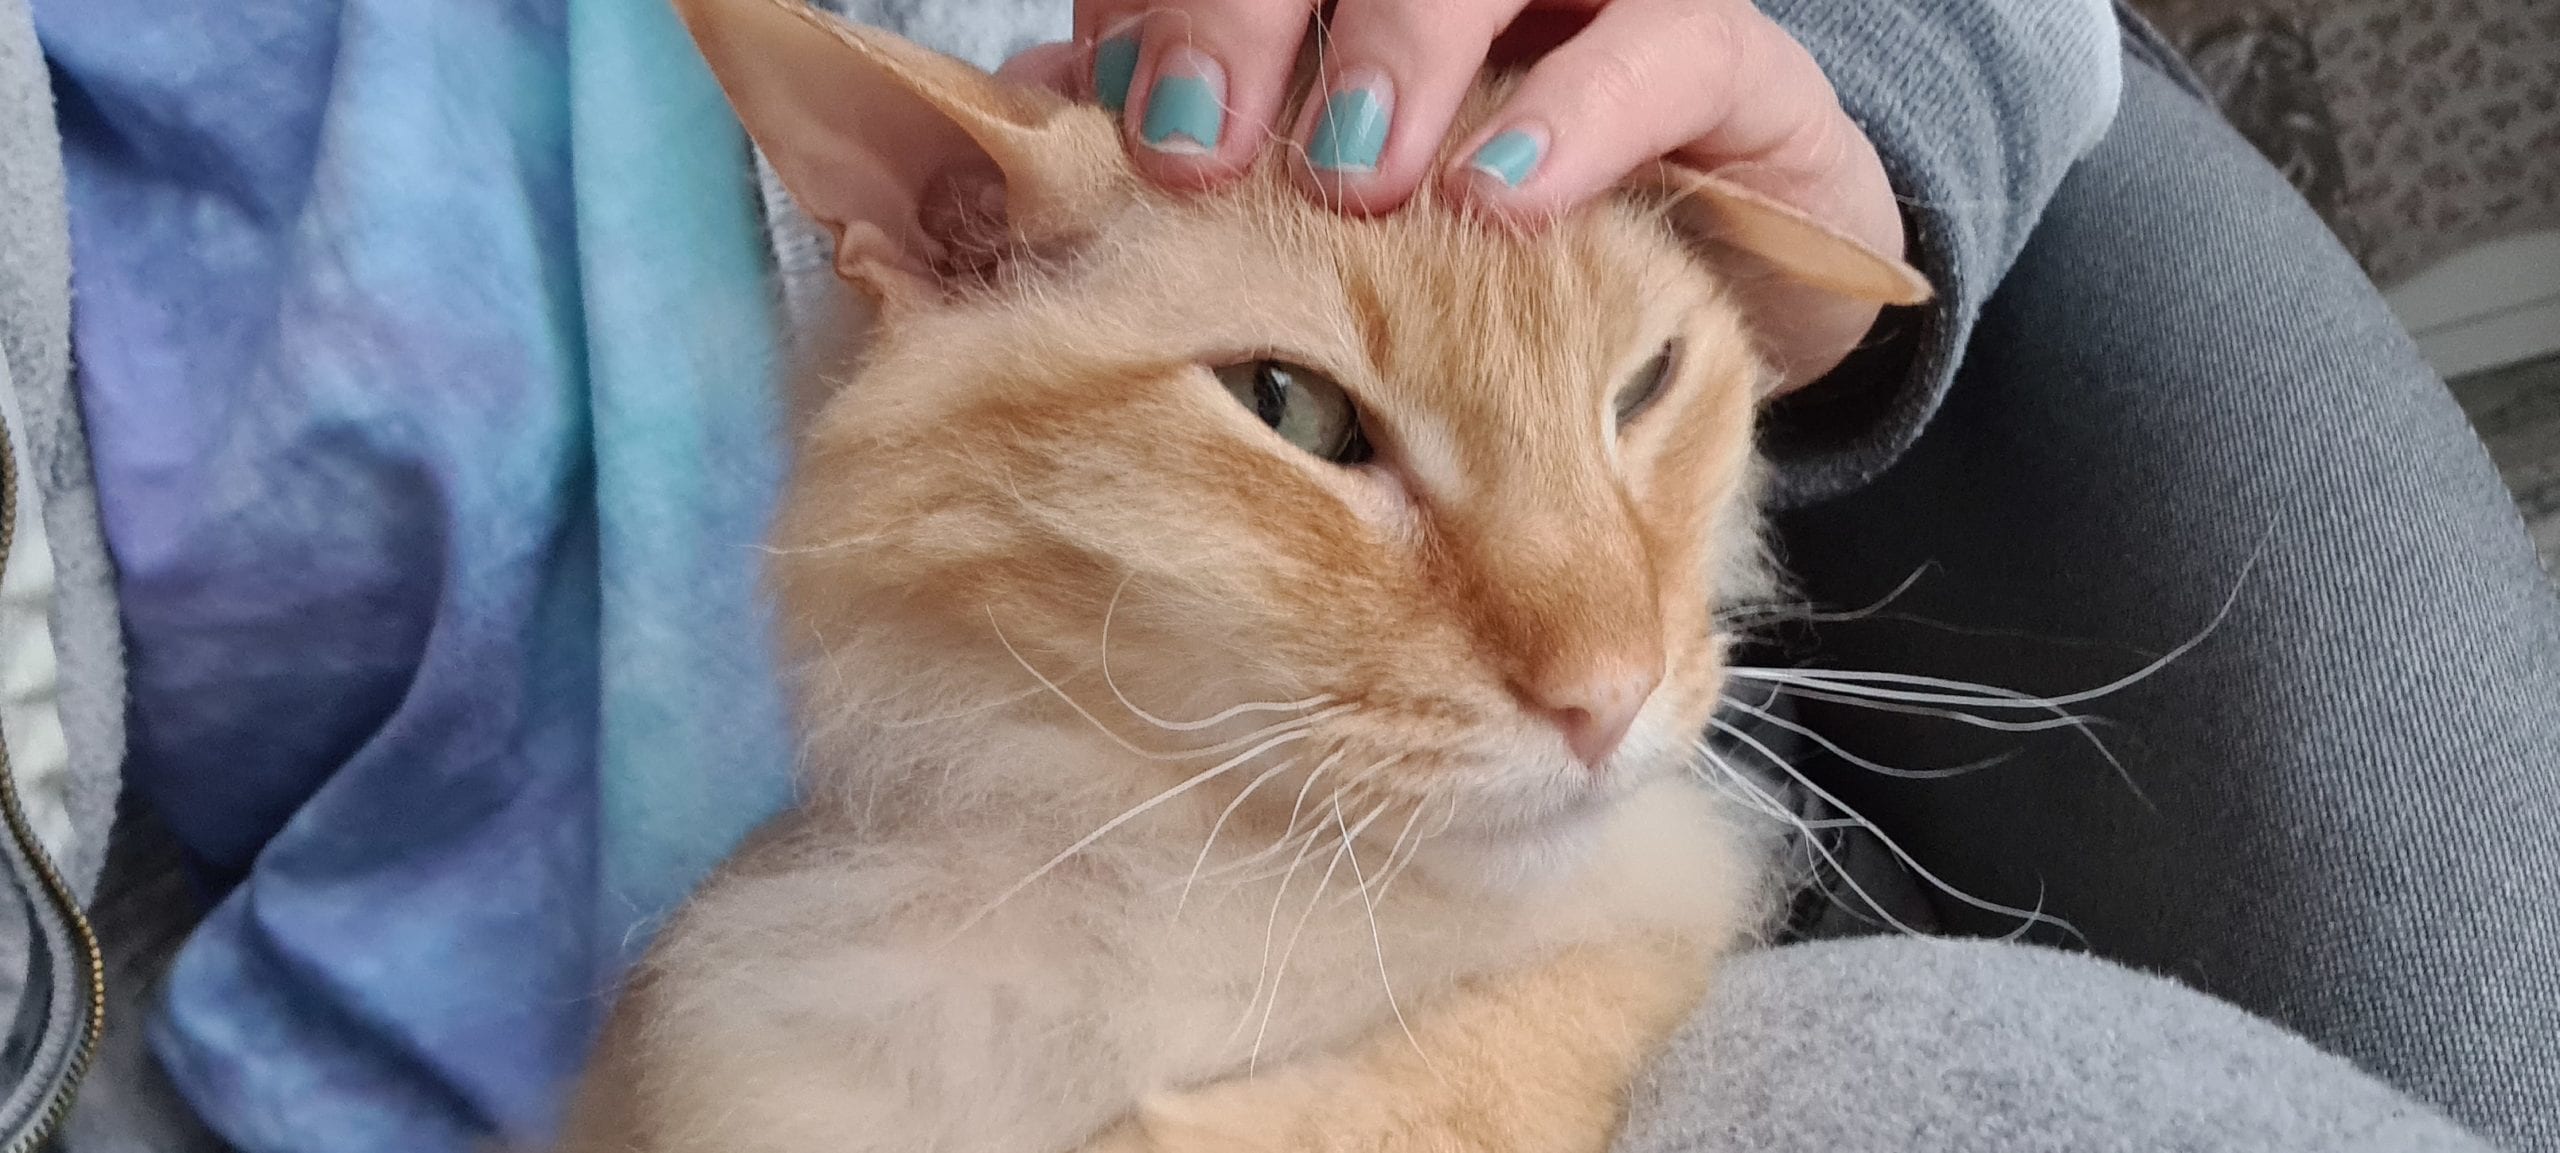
(1723, 88)
(1393, 74)
(1717, 83)
(1052, 66)
(1205, 82)
(1111, 36)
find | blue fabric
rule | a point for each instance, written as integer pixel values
(682, 360)
(426, 350)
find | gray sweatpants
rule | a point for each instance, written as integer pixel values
(2348, 817)
(2353, 795)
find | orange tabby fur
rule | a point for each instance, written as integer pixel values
(1042, 576)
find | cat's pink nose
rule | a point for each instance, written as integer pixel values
(1594, 702)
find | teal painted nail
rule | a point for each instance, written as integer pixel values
(1115, 63)
(1350, 134)
(1183, 115)
(1508, 157)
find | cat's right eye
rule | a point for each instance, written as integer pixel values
(1641, 389)
(1306, 409)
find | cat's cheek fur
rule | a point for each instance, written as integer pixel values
(1383, 498)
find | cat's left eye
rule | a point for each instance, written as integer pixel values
(1646, 385)
(1306, 409)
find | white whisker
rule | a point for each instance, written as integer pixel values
(1347, 788)
(1815, 843)
(1397, 868)
(1132, 813)
(1271, 1003)
(1221, 823)
(2074, 720)
(1395, 854)
(1288, 833)
(1271, 935)
(1806, 612)
(1243, 870)
(1211, 721)
(2080, 723)
(1835, 749)
(1293, 724)
(1873, 830)
(1863, 689)
(1864, 684)
(1377, 942)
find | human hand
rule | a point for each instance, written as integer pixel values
(1616, 84)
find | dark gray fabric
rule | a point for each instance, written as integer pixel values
(1978, 109)
(145, 908)
(2185, 387)
(1926, 1046)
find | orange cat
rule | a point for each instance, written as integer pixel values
(1251, 659)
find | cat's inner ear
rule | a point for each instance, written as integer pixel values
(1715, 210)
(922, 167)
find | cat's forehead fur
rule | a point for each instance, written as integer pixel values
(1427, 315)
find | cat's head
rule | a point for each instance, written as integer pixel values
(1436, 505)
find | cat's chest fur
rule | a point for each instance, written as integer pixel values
(1323, 945)
(911, 970)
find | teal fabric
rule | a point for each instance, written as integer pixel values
(682, 382)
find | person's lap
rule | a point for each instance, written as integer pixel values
(1921, 1045)
(2186, 393)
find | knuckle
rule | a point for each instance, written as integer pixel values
(1821, 139)
(1265, 18)
(1239, 22)
(1415, 30)
(1712, 35)
(1617, 79)
(1435, 17)
(1698, 45)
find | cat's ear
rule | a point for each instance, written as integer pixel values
(1719, 211)
(921, 166)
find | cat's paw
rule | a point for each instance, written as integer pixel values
(1271, 1114)
(1308, 1114)
(1129, 1136)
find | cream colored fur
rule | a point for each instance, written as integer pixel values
(1166, 787)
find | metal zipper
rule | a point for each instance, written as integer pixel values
(57, 1105)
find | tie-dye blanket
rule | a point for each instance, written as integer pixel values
(427, 350)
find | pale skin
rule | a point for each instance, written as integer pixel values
(1610, 85)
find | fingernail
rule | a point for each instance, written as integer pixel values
(1115, 63)
(1352, 131)
(1509, 157)
(1186, 106)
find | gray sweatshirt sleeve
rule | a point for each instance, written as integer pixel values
(1978, 108)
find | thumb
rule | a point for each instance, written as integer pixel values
(1050, 66)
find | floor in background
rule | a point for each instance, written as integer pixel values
(2517, 410)
(2418, 128)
